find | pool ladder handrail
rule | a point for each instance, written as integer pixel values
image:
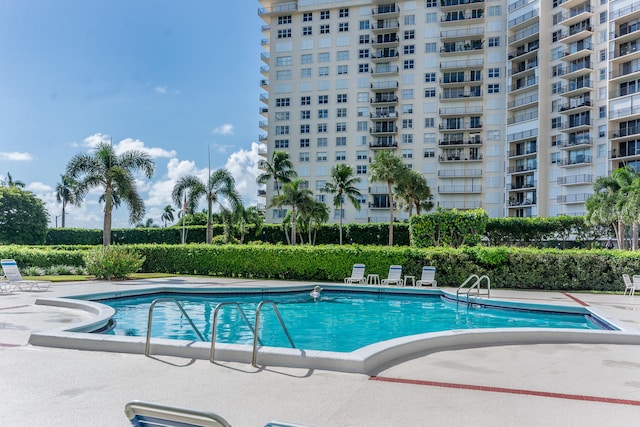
(147, 348)
(214, 326)
(254, 356)
(475, 285)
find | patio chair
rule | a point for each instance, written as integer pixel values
(636, 285)
(6, 287)
(394, 276)
(357, 275)
(428, 277)
(142, 414)
(628, 284)
(13, 277)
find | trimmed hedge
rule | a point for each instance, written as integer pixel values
(515, 268)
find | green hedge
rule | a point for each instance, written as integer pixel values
(508, 267)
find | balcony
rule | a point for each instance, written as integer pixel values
(385, 40)
(626, 133)
(520, 152)
(522, 186)
(575, 179)
(461, 34)
(576, 125)
(263, 111)
(460, 173)
(386, 11)
(450, 142)
(572, 143)
(574, 89)
(523, 102)
(523, 20)
(577, 14)
(382, 115)
(522, 118)
(573, 71)
(459, 158)
(384, 55)
(624, 152)
(262, 193)
(623, 70)
(522, 202)
(528, 34)
(466, 48)
(381, 26)
(278, 9)
(522, 168)
(264, 84)
(462, 18)
(446, 4)
(575, 161)
(521, 67)
(384, 70)
(573, 198)
(381, 205)
(576, 52)
(263, 138)
(264, 125)
(460, 126)
(460, 205)
(264, 98)
(577, 34)
(383, 130)
(462, 64)
(628, 13)
(459, 189)
(457, 95)
(377, 145)
(522, 85)
(624, 113)
(575, 107)
(459, 111)
(629, 53)
(523, 51)
(384, 100)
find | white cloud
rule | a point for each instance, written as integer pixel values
(135, 144)
(160, 89)
(15, 156)
(225, 129)
(38, 187)
(243, 165)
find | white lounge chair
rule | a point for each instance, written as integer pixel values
(12, 276)
(6, 287)
(628, 284)
(636, 285)
(428, 277)
(357, 275)
(152, 414)
(394, 277)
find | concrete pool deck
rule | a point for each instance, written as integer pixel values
(524, 385)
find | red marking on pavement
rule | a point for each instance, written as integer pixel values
(510, 391)
(578, 300)
(9, 345)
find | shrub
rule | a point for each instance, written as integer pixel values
(113, 262)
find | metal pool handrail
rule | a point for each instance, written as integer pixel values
(215, 325)
(254, 358)
(147, 347)
(474, 285)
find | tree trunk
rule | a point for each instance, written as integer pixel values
(634, 238)
(64, 203)
(620, 234)
(209, 220)
(390, 213)
(293, 226)
(108, 208)
(340, 207)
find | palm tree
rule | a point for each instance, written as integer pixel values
(167, 215)
(220, 186)
(313, 215)
(629, 207)
(280, 169)
(295, 194)
(9, 182)
(387, 167)
(343, 184)
(113, 173)
(250, 215)
(65, 194)
(414, 191)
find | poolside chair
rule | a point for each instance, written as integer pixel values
(6, 287)
(628, 284)
(394, 277)
(636, 285)
(13, 277)
(142, 414)
(357, 275)
(428, 277)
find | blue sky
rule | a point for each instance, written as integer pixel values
(174, 78)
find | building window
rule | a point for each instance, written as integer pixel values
(407, 123)
(342, 55)
(282, 143)
(361, 169)
(304, 142)
(603, 17)
(341, 156)
(429, 122)
(324, 29)
(409, 34)
(603, 73)
(282, 130)
(362, 155)
(342, 98)
(341, 112)
(307, 17)
(493, 73)
(431, 17)
(429, 47)
(305, 100)
(283, 75)
(493, 88)
(407, 154)
(362, 126)
(364, 25)
(285, 19)
(407, 138)
(305, 114)
(603, 112)
(429, 138)
(431, 3)
(279, 213)
(323, 113)
(363, 68)
(282, 115)
(602, 131)
(304, 157)
(494, 41)
(322, 142)
(428, 153)
(321, 156)
(341, 127)
(305, 73)
(284, 33)
(429, 77)
(363, 97)
(556, 35)
(430, 92)
(407, 108)
(305, 129)
(307, 31)
(364, 39)
(603, 55)
(408, 64)
(494, 11)
(341, 141)
(343, 13)
(343, 27)
(322, 128)
(283, 60)
(410, 20)
(324, 57)
(363, 53)
(342, 69)
(323, 71)
(556, 122)
(282, 102)
(325, 14)
(409, 49)
(306, 59)
(406, 93)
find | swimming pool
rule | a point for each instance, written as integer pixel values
(367, 359)
(339, 321)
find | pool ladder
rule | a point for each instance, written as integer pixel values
(475, 285)
(256, 338)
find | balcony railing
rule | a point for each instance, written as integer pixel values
(575, 179)
(620, 112)
(534, 29)
(573, 198)
(449, 142)
(523, 168)
(523, 101)
(578, 160)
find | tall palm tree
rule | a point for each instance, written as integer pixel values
(10, 182)
(66, 194)
(245, 216)
(414, 191)
(295, 194)
(629, 181)
(343, 185)
(114, 174)
(387, 167)
(280, 169)
(167, 215)
(313, 215)
(219, 187)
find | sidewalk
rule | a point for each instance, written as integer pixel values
(534, 385)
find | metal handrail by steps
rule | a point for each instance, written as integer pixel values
(254, 358)
(147, 348)
(475, 285)
(215, 325)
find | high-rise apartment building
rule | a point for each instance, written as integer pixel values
(510, 106)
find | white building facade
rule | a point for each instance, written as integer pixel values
(510, 106)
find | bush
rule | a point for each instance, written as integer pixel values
(113, 262)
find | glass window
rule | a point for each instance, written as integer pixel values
(341, 156)
(324, 29)
(341, 141)
(304, 157)
(304, 142)
(343, 27)
(305, 100)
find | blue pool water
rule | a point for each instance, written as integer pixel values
(336, 321)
